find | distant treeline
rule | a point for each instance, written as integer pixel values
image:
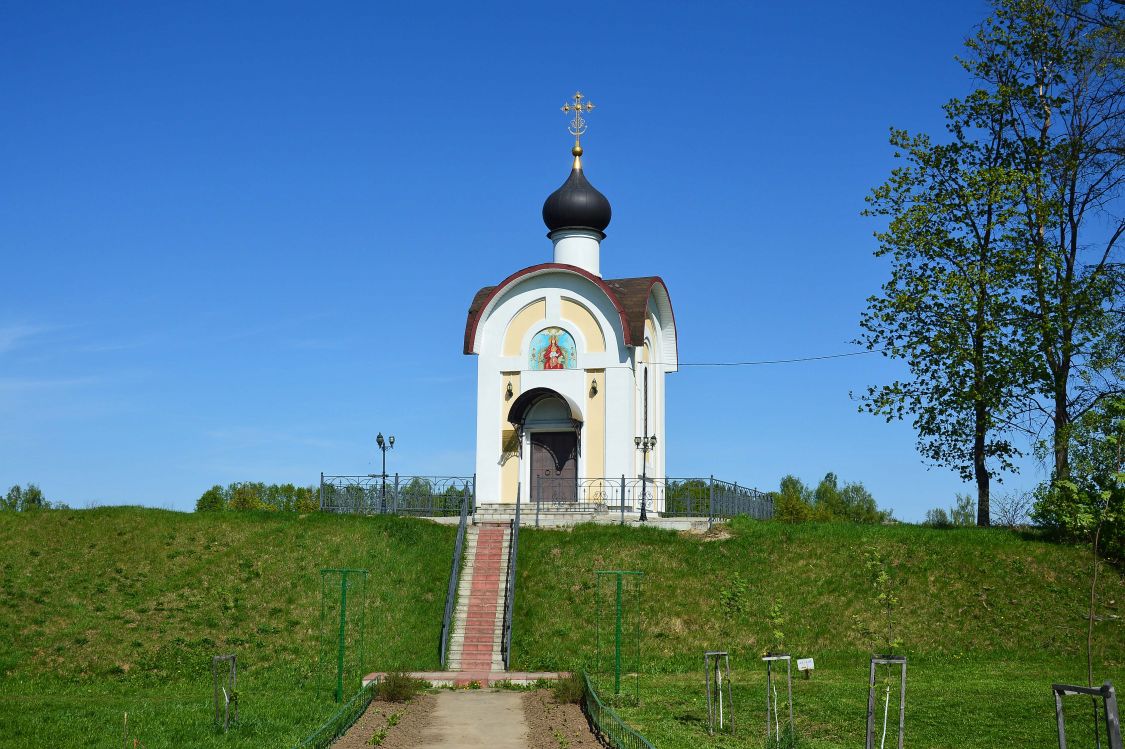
(28, 499)
(794, 502)
(255, 495)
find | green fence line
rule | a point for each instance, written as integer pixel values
(608, 723)
(339, 723)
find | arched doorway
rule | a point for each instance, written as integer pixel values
(550, 424)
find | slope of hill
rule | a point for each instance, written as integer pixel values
(119, 610)
(987, 618)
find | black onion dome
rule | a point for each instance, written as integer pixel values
(576, 205)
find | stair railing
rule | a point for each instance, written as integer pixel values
(454, 575)
(510, 593)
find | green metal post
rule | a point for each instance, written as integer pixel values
(617, 641)
(340, 649)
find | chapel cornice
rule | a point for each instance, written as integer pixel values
(629, 296)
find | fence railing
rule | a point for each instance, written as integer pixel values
(454, 575)
(608, 724)
(510, 592)
(667, 497)
(342, 720)
(374, 494)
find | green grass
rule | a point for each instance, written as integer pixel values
(988, 618)
(119, 610)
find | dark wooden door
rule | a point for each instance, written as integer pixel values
(554, 466)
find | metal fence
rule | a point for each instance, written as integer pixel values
(608, 724)
(344, 718)
(454, 574)
(510, 592)
(374, 494)
(668, 497)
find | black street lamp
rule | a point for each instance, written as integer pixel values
(645, 445)
(384, 445)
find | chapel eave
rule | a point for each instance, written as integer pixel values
(629, 296)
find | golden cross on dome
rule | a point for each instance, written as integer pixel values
(577, 125)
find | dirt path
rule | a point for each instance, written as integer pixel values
(410, 720)
(496, 719)
(553, 725)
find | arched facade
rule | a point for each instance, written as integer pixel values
(562, 359)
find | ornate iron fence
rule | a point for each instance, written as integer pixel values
(374, 494)
(668, 497)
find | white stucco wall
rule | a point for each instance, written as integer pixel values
(619, 389)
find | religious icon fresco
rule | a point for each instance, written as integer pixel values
(553, 348)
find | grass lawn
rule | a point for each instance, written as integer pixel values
(119, 610)
(988, 618)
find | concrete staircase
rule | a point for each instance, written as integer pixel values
(475, 645)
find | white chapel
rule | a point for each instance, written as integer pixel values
(570, 365)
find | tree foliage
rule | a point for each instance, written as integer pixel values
(27, 499)
(795, 502)
(1003, 240)
(1093, 497)
(253, 495)
(1061, 77)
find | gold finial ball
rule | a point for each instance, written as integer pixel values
(577, 150)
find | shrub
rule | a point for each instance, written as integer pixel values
(570, 690)
(398, 687)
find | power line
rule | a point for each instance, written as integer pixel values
(779, 361)
(746, 363)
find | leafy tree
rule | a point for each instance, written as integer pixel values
(1061, 79)
(307, 500)
(947, 307)
(859, 506)
(27, 499)
(793, 502)
(13, 500)
(827, 497)
(937, 518)
(246, 496)
(212, 500)
(33, 498)
(1090, 505)
(962, 513)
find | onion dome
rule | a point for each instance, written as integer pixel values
(577, 204)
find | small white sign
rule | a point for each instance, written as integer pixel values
(804, 664)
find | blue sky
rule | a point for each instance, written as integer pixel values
(238, 239)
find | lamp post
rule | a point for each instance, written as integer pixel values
(645, 445)
(384, 445)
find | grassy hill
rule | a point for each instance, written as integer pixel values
(987, 618)
(120, 609)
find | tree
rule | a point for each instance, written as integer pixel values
(246, 496)
(961, 514)
(13, 500)
(946, 310)
(212, 500)
(859, 506)
(1061, 79)
(793, 502)
(827, 498)
(27, 499)
(33, 498)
